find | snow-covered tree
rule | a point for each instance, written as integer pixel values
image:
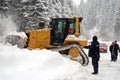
(26, 12)
(102, 17)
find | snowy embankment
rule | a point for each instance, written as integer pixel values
(24, 64)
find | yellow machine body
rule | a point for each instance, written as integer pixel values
(39, 38)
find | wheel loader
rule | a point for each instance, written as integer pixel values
(62, 35)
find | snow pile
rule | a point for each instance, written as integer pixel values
(24, 64)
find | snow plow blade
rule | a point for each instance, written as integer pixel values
(16, 38)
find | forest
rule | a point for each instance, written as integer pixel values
(100, 17)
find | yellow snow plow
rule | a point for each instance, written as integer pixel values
(63, 35)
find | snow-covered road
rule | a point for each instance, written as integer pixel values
(109, 70)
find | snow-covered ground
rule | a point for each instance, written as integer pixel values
(24, 64)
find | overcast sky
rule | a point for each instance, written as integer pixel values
(77, 2)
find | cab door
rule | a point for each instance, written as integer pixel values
(58, 32)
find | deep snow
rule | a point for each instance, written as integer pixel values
(24, 64)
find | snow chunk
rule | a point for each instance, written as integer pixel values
(16, 38)
(73, 37)
(21, 34)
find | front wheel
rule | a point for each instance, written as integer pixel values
(74, 52)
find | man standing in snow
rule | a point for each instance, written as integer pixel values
(94, 53)
(114, 48)
(111, 49)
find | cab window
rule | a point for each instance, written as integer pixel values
(61, 26)
(71, 28)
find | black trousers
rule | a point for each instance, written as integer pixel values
(95, 65)
(114, 56)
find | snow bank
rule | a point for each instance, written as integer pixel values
(24, 64)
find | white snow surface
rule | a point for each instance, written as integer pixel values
(24, 64)
(73, 37)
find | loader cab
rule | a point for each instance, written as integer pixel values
(60, 28)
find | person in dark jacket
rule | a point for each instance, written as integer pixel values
(114, 48)
(111, 49)
(94, 53)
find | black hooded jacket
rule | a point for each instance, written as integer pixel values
(114, 49)
(94, 49)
